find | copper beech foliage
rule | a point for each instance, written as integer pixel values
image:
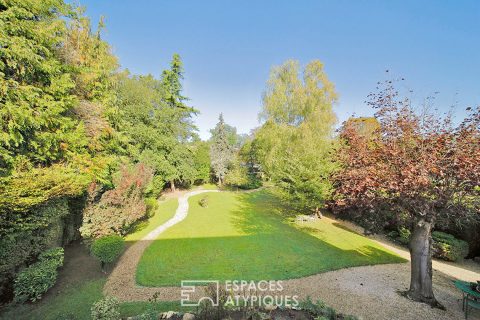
(416, 163)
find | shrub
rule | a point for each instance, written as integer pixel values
(106, 309)
(447, 247)
(107, 249)
(33, 281)
(151, 206)
(54, 256)
(203, 202)
(403, 235)
(321, 311)
(120, 207)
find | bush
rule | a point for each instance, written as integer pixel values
(151, 206)
(203, 202)
(54, 256)
(106, 309)
(403, 235)
(321, 311)
(33, 281)
(119, 208)
(107, 249)
(447, 247)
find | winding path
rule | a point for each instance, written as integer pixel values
(369, 292)
(121, 282)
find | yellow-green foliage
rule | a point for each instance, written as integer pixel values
(295, 145)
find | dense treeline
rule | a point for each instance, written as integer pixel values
(86, 148)
(82, 143)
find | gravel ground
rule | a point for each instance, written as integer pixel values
(369, 292)
(121, 282)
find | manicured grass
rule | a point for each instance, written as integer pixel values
(246, 236)
(166, 210)
(75, 303)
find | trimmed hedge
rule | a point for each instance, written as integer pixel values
(447, 247)
(107, 249)
(33, 281)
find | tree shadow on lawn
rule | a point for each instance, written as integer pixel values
(268, 248)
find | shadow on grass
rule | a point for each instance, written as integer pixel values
(266, 248)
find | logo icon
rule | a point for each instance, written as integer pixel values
(190, 287)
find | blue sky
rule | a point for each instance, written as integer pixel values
(228, 48)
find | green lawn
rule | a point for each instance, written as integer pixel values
(75, 303)
(246, 236)
(166, 210)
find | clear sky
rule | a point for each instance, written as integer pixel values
(228, 48)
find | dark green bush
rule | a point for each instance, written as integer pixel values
(32, 282)
(107, 249)
(403, 235)
(447, 247)
(203, 202)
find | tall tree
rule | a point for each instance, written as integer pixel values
(35, 85)
(419, 166)
(221, 150)
(295, 143)
(159, 124)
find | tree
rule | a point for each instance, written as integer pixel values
(419, 166)
(221, 151)
(36, 86)
(158, 124)
(201, 149)
(294, 146)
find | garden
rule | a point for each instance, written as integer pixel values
(119, 200)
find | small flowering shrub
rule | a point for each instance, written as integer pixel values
(106, 309)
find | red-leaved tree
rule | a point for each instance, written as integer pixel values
(417, 164)
(119, 208)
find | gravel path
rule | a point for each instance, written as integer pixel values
(121, 283)
(369, 292)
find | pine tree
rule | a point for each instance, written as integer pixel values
(221, 151)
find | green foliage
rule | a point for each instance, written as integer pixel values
(239, 176)
(202, 163)
(404, 235)
(54, 256)
(120, 207)
(158, 124)
(447, 247)
(320, 310)
(295, 145)
(40, 228)
(106, 309)
(221, 151)
(33, 281)
(108, 248)
(35, 85)
(151, 206)
(203, 202)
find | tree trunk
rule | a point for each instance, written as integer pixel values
(172, 185)
(421, 264)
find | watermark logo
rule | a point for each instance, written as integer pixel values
(190, 290)
(235, 293)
